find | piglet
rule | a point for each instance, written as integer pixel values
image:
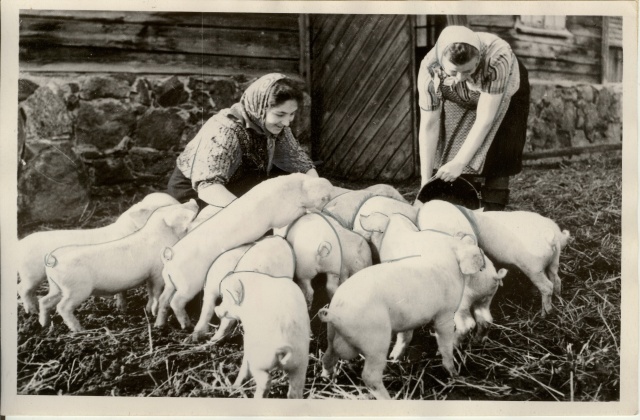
(276, 328)
(382, 205)
(271, 204)
(400, 238)
(270, 255)
(33, 248)
(77, 272)
(527, 240)
(398, 296)
(322, 245)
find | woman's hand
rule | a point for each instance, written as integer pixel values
(450, 171)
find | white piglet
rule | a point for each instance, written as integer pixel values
(77, 272)
(527, 240)
(322, 245)
(33, 248)
(394, 297)
(271, 255)
(276, 328)
(271, 204)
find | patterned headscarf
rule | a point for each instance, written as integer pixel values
(454, 34)
(255, 99)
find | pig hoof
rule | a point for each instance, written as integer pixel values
(197, 336)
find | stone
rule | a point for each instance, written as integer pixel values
(569, 94)
(96, 87)
(142, 92)
(159, 164)
(202, 100)
(110, 171)
(568, 117)
(579, 139)
(53, 186)
(47, 114)
(26, 88)
(585, 92)
(614, 133)
(104, 123)
(224, 93)
(171, 93)
(160, 129)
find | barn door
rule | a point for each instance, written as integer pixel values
(363, 90)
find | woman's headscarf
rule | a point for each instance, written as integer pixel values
(255, 100)
(455, 34)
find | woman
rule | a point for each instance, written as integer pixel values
(474, 104)
(238, 147)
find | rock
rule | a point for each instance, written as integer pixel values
(202, 101)
(224, 93)
(579, 139)
(171, 93)
(142, 93)
(95, 87)
(159, 164)
(47, 114)
(25, 89)
(110, 171)
(160, 129)
(585, 92)
(53, 186)
(104, 123)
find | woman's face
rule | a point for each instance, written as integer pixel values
(280, 116)
(460, 73)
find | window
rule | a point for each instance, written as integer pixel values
(552, 26)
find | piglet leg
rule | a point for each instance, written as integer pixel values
(48, 302)
(402, 341)
(374, 365)
(263, 383)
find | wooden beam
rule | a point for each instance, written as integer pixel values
(305, 48)
(570, 151)
(604, 52)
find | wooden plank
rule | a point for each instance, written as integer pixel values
(362, 64)
(362, 92)
(356, 135)
(604, 51)
(255, 21)
(328, 45)
(383, 145)
(552, 66)
(567, 53)
(491, 21)
(305, 49)
(572, 151)
(221, 41)
(106, 60)
(542, 74)
(400, 166)
(615, 31)
(340, 67)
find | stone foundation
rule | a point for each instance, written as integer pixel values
(87, 132)
(117, 128)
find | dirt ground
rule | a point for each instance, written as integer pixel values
(573, 354)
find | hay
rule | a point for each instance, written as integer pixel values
(571, 355)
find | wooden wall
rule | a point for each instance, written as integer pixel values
(363, 99)
(159, 43)
(574, 58)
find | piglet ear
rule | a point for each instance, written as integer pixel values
(139, 215)
(236, 290)
(470, 258)
(374, 222)
(467, 238)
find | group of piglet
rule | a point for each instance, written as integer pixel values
(390, 266)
